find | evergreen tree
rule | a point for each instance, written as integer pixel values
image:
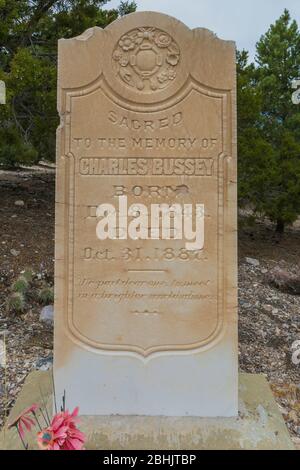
(29, 31)
(256, 156)
(278, 60)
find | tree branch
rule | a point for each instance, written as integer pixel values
(41, 9)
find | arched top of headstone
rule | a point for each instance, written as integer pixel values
(150, 56)
(148, 18)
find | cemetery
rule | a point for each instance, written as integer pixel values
(150, 239)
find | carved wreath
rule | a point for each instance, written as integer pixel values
(146, 59)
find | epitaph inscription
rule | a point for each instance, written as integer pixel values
(149, 286)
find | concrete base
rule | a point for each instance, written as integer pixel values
(259, 425)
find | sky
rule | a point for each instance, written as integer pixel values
(238, 20)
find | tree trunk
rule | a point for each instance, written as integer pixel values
(280, 226)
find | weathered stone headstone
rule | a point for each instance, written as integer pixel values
(145, 317)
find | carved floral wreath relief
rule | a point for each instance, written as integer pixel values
(146, 59)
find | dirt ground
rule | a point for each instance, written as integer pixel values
(269, 320)
(26, 240)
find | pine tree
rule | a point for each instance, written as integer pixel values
(256, 156)
(278, 60)
(29, 31)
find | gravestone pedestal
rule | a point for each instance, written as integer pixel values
(259, 425)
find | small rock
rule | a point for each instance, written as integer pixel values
(267, 308)
(2, 354)
(284, 281)
(19, 203)
(44, 363)
(253, 261)
(14, 252)
(47, 315)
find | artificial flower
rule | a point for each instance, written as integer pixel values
(24, 420)
(62, 434)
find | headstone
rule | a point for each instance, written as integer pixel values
(146, 304)
(2, 92)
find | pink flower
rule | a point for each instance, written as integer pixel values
(62, 434)
(24, 420)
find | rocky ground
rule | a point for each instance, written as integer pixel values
(269, 318)
(26, 240)
(269, 322)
